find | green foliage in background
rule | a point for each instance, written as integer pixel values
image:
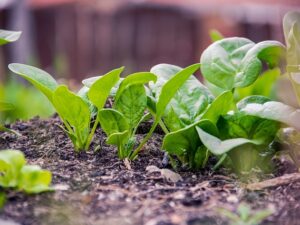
(27, 102)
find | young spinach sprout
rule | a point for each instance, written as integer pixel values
(73, 110)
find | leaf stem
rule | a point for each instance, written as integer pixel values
(143, 142)
(91, 135)
(163, 126)
(219, 163)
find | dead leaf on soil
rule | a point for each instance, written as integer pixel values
(165, 173)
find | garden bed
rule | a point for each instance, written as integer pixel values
(98, 188)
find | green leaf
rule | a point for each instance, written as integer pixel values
(112, 121)
(189, 101)
(75, 112)
(237, 62)
(265, 85)
(101, 88)
(185, 142)
(170, 88)
(252, 99)
(35, 180)
(291, 28)
(5, 106)
(132, 104)
(7, 36)
(219, 147)
(167, 92)
(121, 140)
(273, 110)
(220, 106)
(83, 93)
(134, 79)
(11, 162)
(39, 78)
(118, 139)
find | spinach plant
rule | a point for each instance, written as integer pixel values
(192, 106)
(185, 142)
(244, 137)
(131, 100)
(120, 122)
(15, 173)
(164, 93)
(73, 110)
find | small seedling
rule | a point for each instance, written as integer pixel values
(73, 109)
(244, 215)
(120, 123)
(17, 175)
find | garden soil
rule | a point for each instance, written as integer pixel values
(95, 187)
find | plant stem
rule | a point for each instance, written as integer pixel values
(143, 142)
(91, 135)
(163, 126)
(219, 163)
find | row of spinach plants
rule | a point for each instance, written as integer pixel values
(198, 120)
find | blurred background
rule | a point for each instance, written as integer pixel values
(75, 39)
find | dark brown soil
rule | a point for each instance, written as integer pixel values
(97, 188)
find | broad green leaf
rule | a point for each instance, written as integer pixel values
(264, 85)
(291, 28)
(219, 147)
(170, 88)
(118, 139)
(265, 130)
(11, 162)
(132, 103)
(240, 125)
(134, 79)
(101, 88)
(220, 106)
(39, 78)
(252, 99)
(237, 62)
(5, 106)
(185, 143)
(34, 180)
(189, 101)
(112, 121)
(273, 110)
(7, 36)
(89, 82)
(74, 111)
(167, 92)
